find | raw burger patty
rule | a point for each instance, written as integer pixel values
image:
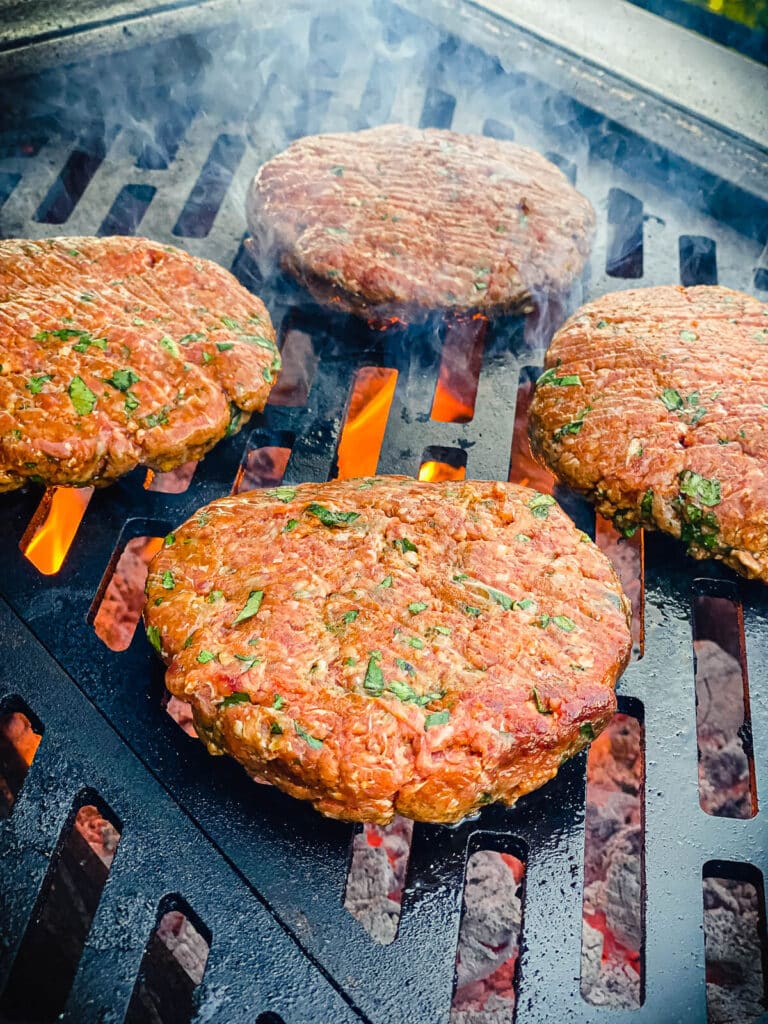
(118, 351)
(381, 646)
(654, 405)
(395, 220)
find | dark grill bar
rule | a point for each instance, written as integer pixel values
(261, 878)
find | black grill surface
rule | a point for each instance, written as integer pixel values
(162, 141)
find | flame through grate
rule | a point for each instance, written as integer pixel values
(256, 877)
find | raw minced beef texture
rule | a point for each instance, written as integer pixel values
(118, 351)
(382, 645)
(654, 403)
(400, 221)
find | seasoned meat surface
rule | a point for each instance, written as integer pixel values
(119, 351)
(400, 221)
(382, 645)
(654, 405)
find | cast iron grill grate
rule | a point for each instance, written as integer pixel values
(264, 875)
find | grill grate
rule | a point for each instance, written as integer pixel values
(264, 875)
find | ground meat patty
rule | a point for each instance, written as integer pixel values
(654, 405)
(396, 220)
(118, 351)
(382, 645)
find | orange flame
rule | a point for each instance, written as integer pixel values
(363, 432)
(49, 535)
(433, 470)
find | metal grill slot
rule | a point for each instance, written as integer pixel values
(269, 1018)
(175, 481)
(376, 877)
(54, 526)
(264, 461)
(172, 967)
(20, 735)
(127, 211)
(439, 463)
(366, 423)
(735, 943)
(118, 610)
(199, 212)
(627, 555)
(299, 366)
(56, 934)
(568, 167)
(438, 109)
(723, 721)
(698, 260)
(490, 934)
(498, 129)
(460, 363)
(624, 257)
(612, 952)
(8, 183)
(169, 132)
(73, 180)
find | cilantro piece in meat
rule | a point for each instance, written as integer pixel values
(586, 731)
(563, 622)
(122, 379)
(251, 607)
(574, 426)
(405, 666)
(348, 617)
(275, 729)
(689, 335)
(235, 419)
(35, 384)
(417, 606)
(170, 538)
(230, 324)
(374, 678)
(168, 581)
(157, 419)
(153, 635)
(205, 656)
(278, 702)
(224, 346)
(290, 525)
(313, 741)
(215, 595)
(646, 505)
(386, 583)
(249, 660)
(525, 604)
(416, 642)
(469, 609)
(284, 494)
(189, 338)
(541, 707)
(338, 170)
(131, 403)
(540, 505)
(170, 346)
(700, 488)
(81, 396)
(403, 544)
(329, 518)
(238, 697)
(550, 377)
(672, 399)
(436, 718)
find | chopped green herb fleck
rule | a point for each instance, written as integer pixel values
(224, 346)
(276, 729)
(646, 505)
(250, 607)
(238, 697)
(405, 666)
(313, 741)
(563, 622)
(284, 494)
(35, 384)
(541, 707)
(207, 357)
(329, 518)
(231, 324)
(349, 662)
(278, 702)
(249, 660)
(205, 656)
(444, 630)
(417, 606)
(188, 338)
(574, 426)
(290, 525)
(672, 399)
(122, 379)
(168, 581)
(540, 505)
(215, 595)
(469, 609)
(386, 582)
(348, 617)
(523, 537)
(170, 346)
(436, 718)
(131, 403)
(153, 635)
(696, 486)
(587, 731)
(525, 604)
(601, 324)
(337, 170)
(170, 538)
(403, 544)
(689, 335)
(374, 677)
(81, 396)
(416, 641)
(550, 377)
(459, 577)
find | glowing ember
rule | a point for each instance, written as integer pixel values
(627, 555)
(363, 432)
(54, 525)
(120, 607)
(175, 481)
(523, 467)
(261, 467)
(462, 357)
(433, 470)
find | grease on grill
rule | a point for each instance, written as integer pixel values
(59, 925)
(723, 722)
(172, 967)
(53, 527)
(612, 964)
(20, 736)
